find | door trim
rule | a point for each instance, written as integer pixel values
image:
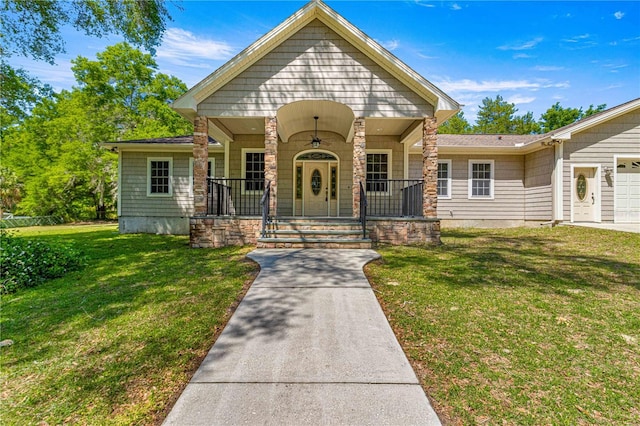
(294, 182)
(597, 214)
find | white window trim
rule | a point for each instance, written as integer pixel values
(243, 162)
(448, 196)
(389, 153)
(212, 162)
(470, 180)
(170, 160)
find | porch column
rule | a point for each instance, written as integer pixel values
(271, 160)
(359, 162)
(430, 167)
(200, 161)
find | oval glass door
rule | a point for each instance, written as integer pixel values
(316, 182)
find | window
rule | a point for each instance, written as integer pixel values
(481, 179)
(378, 170)
(159, 176)
(253, 169)
(444, 179)
(211, 168)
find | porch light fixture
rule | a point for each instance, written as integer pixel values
(315, 142)
(607, 170)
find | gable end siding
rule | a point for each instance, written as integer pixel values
(315, 63)
(598, 145)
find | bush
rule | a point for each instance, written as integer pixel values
(25, 263)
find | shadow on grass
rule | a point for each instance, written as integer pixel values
(95, 311)
(554, 262)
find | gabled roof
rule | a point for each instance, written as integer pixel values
(444, 106)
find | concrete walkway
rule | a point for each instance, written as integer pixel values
(308, 344)
(622, 227)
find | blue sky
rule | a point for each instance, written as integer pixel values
(534, 54)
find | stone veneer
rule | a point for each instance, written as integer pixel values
(404, 231)
(214, 232)
(359, 162)
(271, 161)
(430, 167)
(200, 162)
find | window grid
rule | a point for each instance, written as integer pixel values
(443, 179)
(254, 171)
(377, 171)
(481, 180)
(160, 174)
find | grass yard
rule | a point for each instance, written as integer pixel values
(116, 342)
(520, 326)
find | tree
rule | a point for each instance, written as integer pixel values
(32, 28)
(457, 124)
(19, 94)
(495, 116)
(558, 116)
(10, 190)
(56, 151)
(526, 125)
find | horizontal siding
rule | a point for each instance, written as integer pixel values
(508, 202)
(133, 191)
(538, 168)
(598, 145)
(315, 63)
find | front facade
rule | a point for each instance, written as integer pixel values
(315, 118)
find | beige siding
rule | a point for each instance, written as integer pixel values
(315, 63)
(133, 190)
(332, 143)
(598, 145)
(538, 168)
(508, 202)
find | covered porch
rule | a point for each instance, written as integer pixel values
(315, 167)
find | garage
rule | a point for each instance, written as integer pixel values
(627, 190)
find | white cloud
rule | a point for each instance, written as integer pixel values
(619, 15)
(456, 6)
(577, 38)
(390, 45)
(522, 45)
(423, 4)
(519, 99)
(467, 85)
(548, 68)
(184, 48)
(522, 56)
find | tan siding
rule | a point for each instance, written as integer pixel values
(598, 145)
(508, 202)
(315, 63)
(538, 168)
(134, 199)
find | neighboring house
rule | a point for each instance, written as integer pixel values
(315, 118)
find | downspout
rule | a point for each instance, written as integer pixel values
(557, 177)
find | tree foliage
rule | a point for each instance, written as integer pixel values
(32, 28)
(457, 124)
(56, 151)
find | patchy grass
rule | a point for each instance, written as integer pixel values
(520, 326)
(116, 342)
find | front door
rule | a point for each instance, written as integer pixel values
(316, 188)
(584, 194)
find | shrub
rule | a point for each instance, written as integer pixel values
(25, 263)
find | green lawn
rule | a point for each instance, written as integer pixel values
(520, 326)
(116, 342)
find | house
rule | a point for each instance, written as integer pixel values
(315, 135)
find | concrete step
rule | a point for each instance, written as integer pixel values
(325, 243)
(317, 233)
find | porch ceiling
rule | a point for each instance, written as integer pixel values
(301, 120)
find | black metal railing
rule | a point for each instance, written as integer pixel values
(363, 210)
(394, 197)
(234, 197)
(265, 203)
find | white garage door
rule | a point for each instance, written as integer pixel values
(627, 188)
